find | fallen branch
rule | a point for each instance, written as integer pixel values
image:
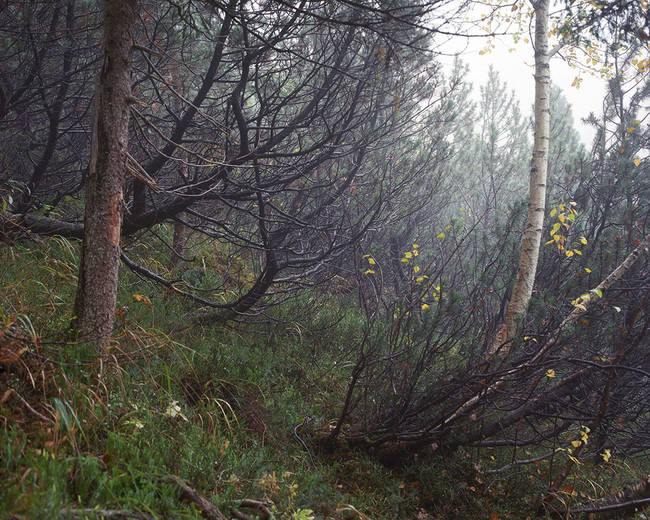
(207, 508)
(249, 503)
(631, 505)
(626, 501)
(104, 513)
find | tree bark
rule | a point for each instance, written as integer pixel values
(179, 241)
(530, 243)
(100, 255)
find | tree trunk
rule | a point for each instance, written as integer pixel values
(530, 243)
(179, 241)
(100, 255)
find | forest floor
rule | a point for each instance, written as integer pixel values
(234, 411)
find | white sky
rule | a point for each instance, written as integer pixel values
(516, 69)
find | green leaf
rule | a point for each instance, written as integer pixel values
(303, 514)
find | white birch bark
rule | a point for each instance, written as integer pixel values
(532, 237)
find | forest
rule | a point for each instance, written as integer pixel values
(281, 259)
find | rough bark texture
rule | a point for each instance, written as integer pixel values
(530, 243)
(179, 241)
(100, 257)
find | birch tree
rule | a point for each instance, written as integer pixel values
(532, 237)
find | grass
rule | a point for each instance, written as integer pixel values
(223, 408)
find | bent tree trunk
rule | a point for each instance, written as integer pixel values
(100, 255)
(530, 243)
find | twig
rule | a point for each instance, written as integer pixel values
(301, 441)
(29, 407)
(519, 463)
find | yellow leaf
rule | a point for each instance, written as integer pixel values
(606, 455)
(142, 298)
(369, 271)
(574, 459)
(583, 241)
(636, 122)
(441, 235)
(555, 228)
(371, 261)
(576, 444)
(425, 306)
(631, 129)
(568, 253)
(553, 212)
(549, 242)
(415, 246)
(562, 217)
(637, 161)
(587, 270)
(550, 373)
(416, 269)
(408, 254)
(404, 260)
(569, 490)
(577, 252)
(416, 252)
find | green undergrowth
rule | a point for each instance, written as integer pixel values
(232, 410)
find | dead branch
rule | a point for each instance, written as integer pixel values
(586, 303)
(207, 508)
(260, 506)
(625, 502)
(103, 513)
